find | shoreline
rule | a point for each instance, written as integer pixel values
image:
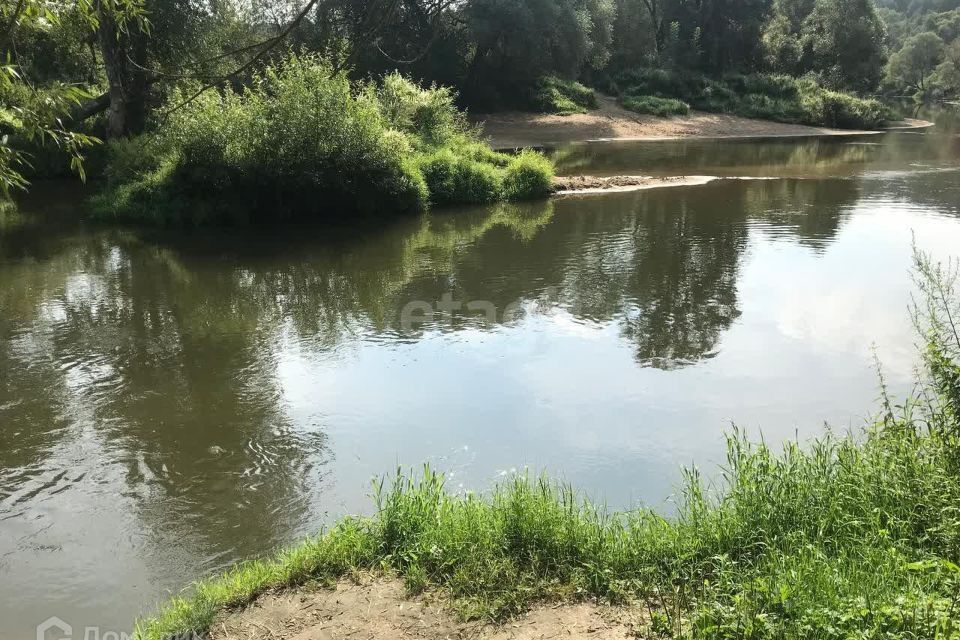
(584, 184)
(611, 122)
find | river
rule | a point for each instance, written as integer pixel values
(172, 403)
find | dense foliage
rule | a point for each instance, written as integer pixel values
(780, 98)
(843, 537)
(635, 100)
(303, 141)
(80, 72)
(563, 97)
(33, 117)
(840, 42)
(925, 48)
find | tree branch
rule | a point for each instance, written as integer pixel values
(8, 31)
(269, 46)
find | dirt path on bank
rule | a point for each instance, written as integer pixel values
(380, 610)
(514, 129)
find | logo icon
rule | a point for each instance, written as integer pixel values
(60, 629)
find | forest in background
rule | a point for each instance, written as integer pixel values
(91, 70)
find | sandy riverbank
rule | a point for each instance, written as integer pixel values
(514, 129)
(566, 185)
(381, 609)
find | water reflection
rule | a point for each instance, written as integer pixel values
(841, 156)
(170, 404)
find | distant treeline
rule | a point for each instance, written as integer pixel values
(78, 72)
(492, 52)
(922, 38)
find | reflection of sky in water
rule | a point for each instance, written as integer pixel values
(167, 408)
(800, 354)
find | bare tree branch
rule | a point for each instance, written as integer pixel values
(270, 44)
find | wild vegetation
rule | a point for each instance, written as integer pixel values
(563, 97)
(844, 537)
(780, 98)
(925, 50)
(655, 105)
(302, 141)
(78, 73)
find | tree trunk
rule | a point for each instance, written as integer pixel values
(659, 29)
(124, 59)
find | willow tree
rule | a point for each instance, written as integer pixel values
(33, 114)
(912, 66)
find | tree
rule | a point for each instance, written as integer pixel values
(515, 42)
(630, 45)
(784, 50)
(602, 15)
(124, 53)
(841, 41)
(38, 115)
(661, 29)
(912, 66)
(846, 43)
(947, 76)
(730, 33)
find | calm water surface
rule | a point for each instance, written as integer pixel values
(169, 406)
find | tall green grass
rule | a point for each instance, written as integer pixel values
(854, 536)
(770, 97)
(655, 105)
(563, 97)
(302, 141)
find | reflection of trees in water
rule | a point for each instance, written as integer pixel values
(169, 350)
(174, 378)
(806, 211)
(682, 288)
(814, 157)
(169, 354)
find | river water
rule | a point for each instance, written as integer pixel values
(171, 404)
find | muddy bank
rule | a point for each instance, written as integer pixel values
(564, 185)
(514, 129)
(381, 609)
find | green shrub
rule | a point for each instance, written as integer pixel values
(430, 114)
(663, 83)
(849, 112)
(773, 86)
(772, 97)
(149, 197)
(563, 97)
(528, 175)
(452, 178)
(301, 141)
(655, 105)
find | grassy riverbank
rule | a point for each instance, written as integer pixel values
(667, 92)
(845, 537)
(779, 98)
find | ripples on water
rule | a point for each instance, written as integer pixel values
(170, 405)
